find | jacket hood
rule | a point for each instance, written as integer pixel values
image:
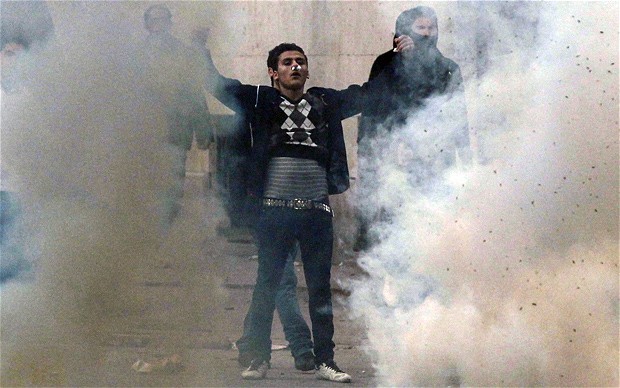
(405, 21)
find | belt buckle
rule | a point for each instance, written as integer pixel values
(300, 204)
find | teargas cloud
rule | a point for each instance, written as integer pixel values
(506, 274)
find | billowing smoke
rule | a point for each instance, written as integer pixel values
(506, 273)
(85, 146)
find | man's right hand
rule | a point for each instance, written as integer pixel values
(403, 43)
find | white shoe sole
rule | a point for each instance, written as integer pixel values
(253, 377)
(342, 379)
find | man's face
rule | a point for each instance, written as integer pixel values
(424, 26)
(10, 53)
(158, 20)
(292, 71)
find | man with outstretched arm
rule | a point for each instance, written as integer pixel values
(298, 158)
(423, 77)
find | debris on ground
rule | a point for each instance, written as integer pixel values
(170, 364)
(274, 347)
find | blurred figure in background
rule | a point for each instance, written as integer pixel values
(175, 75)
(25, 28)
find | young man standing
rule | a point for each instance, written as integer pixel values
(298, 159)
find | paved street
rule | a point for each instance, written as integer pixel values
(189, 302)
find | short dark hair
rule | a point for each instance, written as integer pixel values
(149, 10)
(26, 23)
(17, 36)
(406, 19)
(274, 53)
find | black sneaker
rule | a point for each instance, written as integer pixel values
(256, 371)
(305, 362)
(330, 371)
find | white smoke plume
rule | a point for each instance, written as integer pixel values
(86, 144)
(506, 274)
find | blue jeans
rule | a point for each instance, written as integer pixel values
(296, 329)
(278, 231)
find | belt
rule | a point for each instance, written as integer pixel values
(298, 204)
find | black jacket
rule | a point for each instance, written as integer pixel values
(409, 82)
(260, 105)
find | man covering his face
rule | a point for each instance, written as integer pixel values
(418, 78)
